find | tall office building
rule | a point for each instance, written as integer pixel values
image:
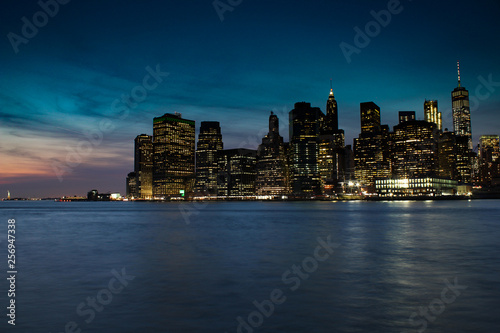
(272, 169)
(415, 150)
(143, 166)
(331, 143)
(330, 123)
(447, 159)
(370, 117)
(236, 172)
(461, 111)
(173, 156)
(489, 159)
(464, 159)
(131, 185)
(304, 132)
(371, 148)
(405, 116)
(432, 115)
(209, 145)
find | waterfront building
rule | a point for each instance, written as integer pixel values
(304, 145)
(371, 148)
(414, 151)
(331, 152)
(489, 159)
(447, 159)
(209, 145)
(132, 185)
(271, 168)
(236, 173)
(173, 156)
(143, 166)
(404, 187)
(464, 159)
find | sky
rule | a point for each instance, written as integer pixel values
(67, 125)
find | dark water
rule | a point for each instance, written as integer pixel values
(200, 268)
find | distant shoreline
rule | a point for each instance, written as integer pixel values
(366, 199)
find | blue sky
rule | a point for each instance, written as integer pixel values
(264, 55)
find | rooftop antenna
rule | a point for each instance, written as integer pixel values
(331, 87)
(458, 67)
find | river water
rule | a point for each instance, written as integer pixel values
(254, 266)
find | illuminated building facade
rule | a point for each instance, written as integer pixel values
(331, 151)
(461, 112)
(371, 148)
(430, 186)
(143, 166)
(330, 122)
(464, 159)
(304, 132)
(209, 145)
(432, 115)
(236, 172)
(489, 159)
(272, 168)
(414, 149)
(370, 117)
(132, 185)
(173, 156)
(447, 159)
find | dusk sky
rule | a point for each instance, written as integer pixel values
(262, 56)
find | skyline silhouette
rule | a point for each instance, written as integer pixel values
(62, 84)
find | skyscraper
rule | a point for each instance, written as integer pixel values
(209, 145)
(371, 154)
(304, 132)
(173, 155)
(464, 159)
(331, 153)
(461, 111)
(432, 115)
(237, 172)
(272, 169)
(370, 117)
(447, 159)
(489, 159)
(415, 149)
(143, 166)
(132, 191)
(331, 120)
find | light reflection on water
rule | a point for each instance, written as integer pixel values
(199, 277)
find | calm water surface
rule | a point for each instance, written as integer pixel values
(203, 268)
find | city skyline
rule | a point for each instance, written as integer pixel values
(67, 91)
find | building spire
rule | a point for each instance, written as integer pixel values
(331, 88)
(458, 67)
